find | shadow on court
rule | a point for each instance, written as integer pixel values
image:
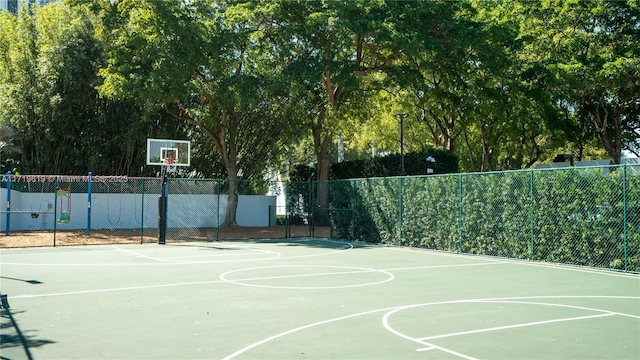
(14, 340)
(300, 242)
(312, 243)
(32, 282)
(306, 298)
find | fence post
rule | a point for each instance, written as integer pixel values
(531, 217)
(218, 213)
(287, 212)
(400, 210)
(55, 210)
(89, 204)
(353, 210)
(309, 208)
(142, 213)
(8, 229)
(312, 206)
(460, 213)
(624, 216)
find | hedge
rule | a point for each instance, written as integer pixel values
(580, 216)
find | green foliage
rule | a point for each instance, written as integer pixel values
(376, 210)
(587, 56)
(390, 165)
(431, 212)
(578, 216)
(495, 215)
(301, 172)
(49, 77)
(500, 85)
(209, 65)
(298, 194)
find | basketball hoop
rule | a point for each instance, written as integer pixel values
(168, 154)
(168, 165)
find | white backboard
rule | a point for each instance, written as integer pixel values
(160, 149)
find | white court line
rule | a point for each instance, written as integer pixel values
(308, 326)
(217, 281)
(445, 253)
(567, 306)
(515, 326)
(359, 271)
(573, 268)
(524, 262)
(299, 275)
(214, 256)
(137, 254)
(398, 308)
(348, 246)
(161, 261)
(82, 292)
(513, 300)
(429, 346)
(443, 266)
(243, 282)
(172, 259)
(223, 253)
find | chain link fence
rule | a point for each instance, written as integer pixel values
(45, 210)
(578, 216)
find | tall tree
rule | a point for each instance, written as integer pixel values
(206, 64)
(48, 74)
(337, 52)
(591, 53)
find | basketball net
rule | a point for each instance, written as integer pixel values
(168, 165)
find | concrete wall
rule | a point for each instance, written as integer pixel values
(131, 211)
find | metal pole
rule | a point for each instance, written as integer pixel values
(312, 206)
(532, 249)
(287, 210)
(353, 210)
(400, 210)
(89, 205)
(460, 220)
(8, 229)
(55, 210)
(402, 144)
(162, 210)
(142, 213)
(624, 217)
(402, 117)
(218, 213)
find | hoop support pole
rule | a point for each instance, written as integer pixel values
(162, 209)
(8, 228)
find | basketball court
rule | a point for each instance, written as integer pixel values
(308, 299)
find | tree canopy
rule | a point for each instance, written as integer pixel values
(255, 84)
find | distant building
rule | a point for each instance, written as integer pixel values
(13, 6)
(9, 5)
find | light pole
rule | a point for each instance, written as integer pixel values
(402, 117)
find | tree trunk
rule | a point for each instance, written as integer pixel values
(472, 163)
(600, 117)
(323, 146)
(230, 163)
(232, 203)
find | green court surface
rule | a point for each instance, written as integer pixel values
(308, 299)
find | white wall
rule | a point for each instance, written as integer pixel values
(126, 211)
